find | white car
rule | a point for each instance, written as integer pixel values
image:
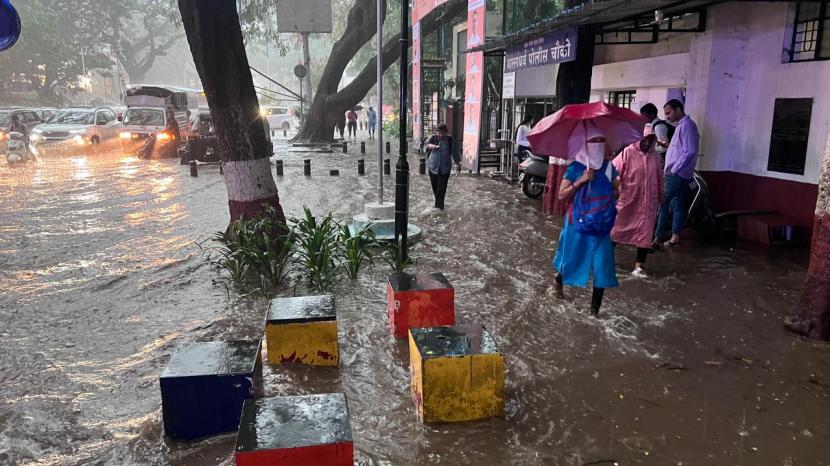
(75, 128)
(278, 117)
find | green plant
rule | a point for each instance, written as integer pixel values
(319, 248)
(393, 255)
(255, 252)
(355, 248)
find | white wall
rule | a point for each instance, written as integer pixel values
(732, 74)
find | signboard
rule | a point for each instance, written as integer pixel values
(417, 121)
(304, 16)
(421, 8)
(476, 19)
(554, 47)
(508, 86)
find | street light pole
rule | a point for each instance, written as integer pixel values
(402, 167)
(379, 87)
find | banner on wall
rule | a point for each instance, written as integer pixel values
(476, 19)
(421, 8)
(417, 130)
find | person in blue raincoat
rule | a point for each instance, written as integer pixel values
(579, 256)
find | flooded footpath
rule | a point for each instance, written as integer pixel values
(102, 276)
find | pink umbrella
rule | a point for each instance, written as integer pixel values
(563, 133)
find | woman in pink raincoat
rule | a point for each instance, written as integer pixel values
(641, 186)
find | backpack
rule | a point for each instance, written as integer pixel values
(594, 208)
(669, 128)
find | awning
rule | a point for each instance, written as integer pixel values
(606, 12)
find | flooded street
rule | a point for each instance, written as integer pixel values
(102, 276)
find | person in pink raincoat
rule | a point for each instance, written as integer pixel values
(641, 187)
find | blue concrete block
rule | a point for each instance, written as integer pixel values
(204, 386)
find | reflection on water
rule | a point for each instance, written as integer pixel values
(102, 280)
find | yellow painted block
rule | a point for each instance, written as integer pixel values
(313, 343)
(302, 330)
(457, 374)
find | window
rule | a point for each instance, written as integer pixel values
(811, 32)
(31, 117)
(622, 98)
(101, 118)
(790, 134)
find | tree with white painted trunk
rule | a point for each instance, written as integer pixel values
(215, 37)
(812, 317)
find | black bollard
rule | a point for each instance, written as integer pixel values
(345, 147)
(422, 166)
(363, 147)
(285, 133)
(388, 148)
(334, 172)
(386, 167)
(279, 167)
(221, 168)
(361, 167)
(194, 169)
(307, 167)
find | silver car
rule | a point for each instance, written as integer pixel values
(75, 128)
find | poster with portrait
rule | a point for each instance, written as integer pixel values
(417, 130)
(476, 19)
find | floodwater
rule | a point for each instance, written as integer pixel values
(102, 277)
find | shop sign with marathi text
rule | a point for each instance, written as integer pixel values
(553, 47)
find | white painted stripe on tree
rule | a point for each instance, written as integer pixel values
(823, 201)
(249, 180)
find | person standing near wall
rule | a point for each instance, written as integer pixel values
(641, 186)
(681, 158)
(442, 154)
(662, 130)
(522, 144)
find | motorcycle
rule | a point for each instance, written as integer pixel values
(533, 173)
(160, 145)
(18, 151)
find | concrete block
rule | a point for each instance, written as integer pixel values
(422, 300)
(457, 373)
(204, 386)
(295, 430)
(302, 330)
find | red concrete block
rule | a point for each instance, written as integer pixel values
(295, 430)
(418, 301)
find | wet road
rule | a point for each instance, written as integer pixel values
(102, 277)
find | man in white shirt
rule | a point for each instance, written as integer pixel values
(660, 127)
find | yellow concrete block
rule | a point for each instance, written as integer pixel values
(457, 373)
(302, 330)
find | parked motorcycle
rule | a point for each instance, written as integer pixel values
(533, 173)
(17, 150)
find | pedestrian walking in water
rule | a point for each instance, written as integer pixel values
(585, 249)
(352, 117)
(442, 154)
(641, 187)
(341, 124)
(371, 122)
(681, 158)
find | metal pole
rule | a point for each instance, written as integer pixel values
(379, 89)
(302, 104)
(402, 167)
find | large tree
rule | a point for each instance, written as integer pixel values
(812, 316)
(58, 43)
(215, 37)
(329, 101)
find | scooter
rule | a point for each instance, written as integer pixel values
(17, 151)
(533, 174)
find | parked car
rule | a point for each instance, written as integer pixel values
(278, 117)
(27, 117)
(76, 128)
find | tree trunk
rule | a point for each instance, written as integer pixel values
(329, 103)
(812, 317)
(215, 39)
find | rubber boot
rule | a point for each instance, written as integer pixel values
(596, 300)
(558, 288)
